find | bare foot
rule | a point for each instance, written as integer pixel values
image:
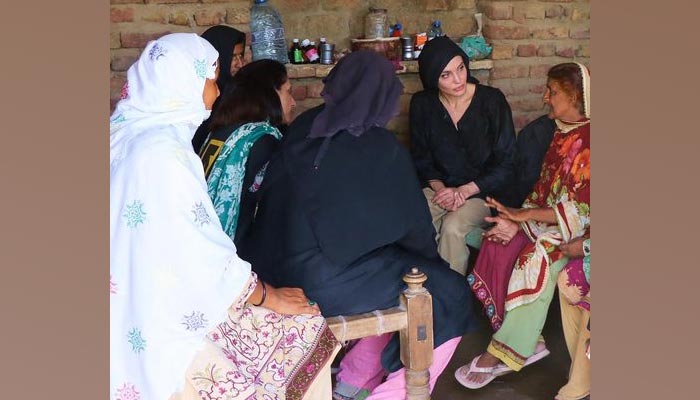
(486, 360)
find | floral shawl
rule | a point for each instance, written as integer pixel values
(564, 185)
(226, 179)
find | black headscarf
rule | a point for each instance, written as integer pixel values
(223, 38)
(360, 92)
(435, 56)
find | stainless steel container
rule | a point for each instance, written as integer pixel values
(326, 50)
(406, 48)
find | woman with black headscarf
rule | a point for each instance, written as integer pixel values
(341, 214)
(463, 145)
(230, 43)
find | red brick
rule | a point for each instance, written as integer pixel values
(539, 71)
(314, 89)
(498, 11)
(538, 89)
(171, 1)
(238, 15)
(557, 1)
(520, 120)
(411, 86)
(528, 104)
(566, 52)
(125, 1)
(554, 32)
(462, 4)
(578, 14)
(209, 18)
(555, 12)
(546, 50)
(506, 32)
(298, 91)
(436, 5)
(180, 18)
(583, 51)
(115, 86)
(580, 33)
(121, 14)
(515, 71)
(157, 14)
(114, 40)
(501, 52)
(527, 50)
(139, 39)
(216, 1)
(122, 60)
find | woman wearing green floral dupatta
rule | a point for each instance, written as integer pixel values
(519, 263)
(245, 133)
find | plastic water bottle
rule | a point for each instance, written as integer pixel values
(267, 33)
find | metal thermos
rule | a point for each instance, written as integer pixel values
(407, 48)
(326, 53)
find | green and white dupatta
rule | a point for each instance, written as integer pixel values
(226, 179)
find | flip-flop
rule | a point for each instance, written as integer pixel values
(536, 357)
(494, 372)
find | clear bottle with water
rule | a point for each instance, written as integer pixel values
(267, 33)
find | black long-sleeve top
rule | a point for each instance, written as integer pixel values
(481, 149)
(260, 153)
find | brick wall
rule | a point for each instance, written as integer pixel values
(528, 36)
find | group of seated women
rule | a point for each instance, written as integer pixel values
(226, 258)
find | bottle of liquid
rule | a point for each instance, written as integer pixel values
(397, 31)
(435, 30)
(267, 33)
(295, 54)
(309, 50)
(321, 42)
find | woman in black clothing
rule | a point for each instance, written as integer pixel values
(245, 134)
(341, 214)
(230, 43)
(463, 145)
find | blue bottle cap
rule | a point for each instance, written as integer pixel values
(437, 23)
(260, 1)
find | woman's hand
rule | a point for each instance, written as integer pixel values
(290, 301)
(503, 232)
(513, 214)
(445, 198)
(573, 249)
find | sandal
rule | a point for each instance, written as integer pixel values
(463, 372)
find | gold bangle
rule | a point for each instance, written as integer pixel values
(263, 295)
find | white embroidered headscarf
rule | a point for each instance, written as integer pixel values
(164, 85)
(173, 271)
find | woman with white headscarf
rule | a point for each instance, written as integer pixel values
(188, 318)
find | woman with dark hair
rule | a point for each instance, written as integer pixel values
(519, 262)
(245, 134)
(463, 145)
(341, 214)
(230, 43)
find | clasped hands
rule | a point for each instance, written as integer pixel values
(450, 198)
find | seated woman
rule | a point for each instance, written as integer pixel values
(517, 268)
(463, 144)
(575, 303)
(341, 215)
(185, 311)
(245, 134)
(530, 147)
(230, 43)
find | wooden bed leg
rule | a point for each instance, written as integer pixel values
(417, 338)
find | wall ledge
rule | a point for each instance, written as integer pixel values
(296, 71)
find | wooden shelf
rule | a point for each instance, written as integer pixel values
(297, 71)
